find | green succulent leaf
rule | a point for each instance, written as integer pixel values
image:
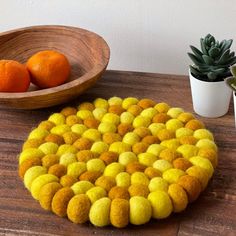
(214, 52)
(212, 76)
(197, 52)
(226, 45)
(203, 46)
(195, 59)
(195, 71)
(208, 60)
(224, 57)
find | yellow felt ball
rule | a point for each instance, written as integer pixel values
(76, 169)
(127, 157)
(84, 114)
(95, 165)
(101, 103)
(81, 187)
(131, 138)
(38, 133)
(206, 143)
(174, 124)
(172, 175)
(210, 154)
(174, 112)
(48, 148)
(78, 128)
(119, 147)
(86, 106)
(158, 183)
(171, 143)
(162, 165)
(99, 214)
(96, 193)
(162, 107)
(149, 112)
(178, 196)
(127, 102)
(156, 127)
(99, 112)
(66, 148)
(181, 132)
(92, 134)
(105, 127)
(126, 118)
(67, 159)
(139, 178)
(60, 129)
(39, 182)
(161, 204)
(203, 134)
(155, 149)
(111, 118)
(203, 163)
(32, 173)
(99, 147)
(113, 169)
(187, 150)
(123, 179)
(140, 210)
(141, 121)
(115, 101)
(146, 158)
(30, 153)
(57, 118)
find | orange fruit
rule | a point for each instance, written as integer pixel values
(14, 77)
(48, 68)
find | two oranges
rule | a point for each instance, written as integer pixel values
(45, 69)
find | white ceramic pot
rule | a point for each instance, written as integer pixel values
(210, 99)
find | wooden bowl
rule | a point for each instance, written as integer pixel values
(87, 52)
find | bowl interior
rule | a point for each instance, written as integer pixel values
(84, 49)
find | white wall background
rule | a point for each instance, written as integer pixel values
(144, 35)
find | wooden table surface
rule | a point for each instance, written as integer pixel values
(214, 213)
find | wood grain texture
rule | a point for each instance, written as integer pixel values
(212, 214)
(87, 52)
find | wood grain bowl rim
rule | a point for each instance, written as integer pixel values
(96, 70)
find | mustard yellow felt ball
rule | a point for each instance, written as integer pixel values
(161, 204)
(32, 143)
(116, 109)
(68, 111)
(162, 107)
(68, 180)
(160, 118)
(111, 118)
(91, 176)
(92, 134)
(83, 144)
(169, 155)
(99, 147)
(110, 138)
(122, 129)
(142, 131)
(60, 129)
(126, 117)
(138, 190)
(57, 170)
(185, 117)
(182, 163)
(127, 157)
(32, 173)
(135, 167)
(210, 154)
(57, 118)
(162, 165)
(54, 138)
(139, 147)
(119, 147)
(118, 192)
(156, 127)
(149, 112)
(140, 210)
(188, 140)
(46, 124)
(109, 157)
(67, 158)
(96, 193)
(38, 133)
(131, 138)
(99, 214)
(165, 134)
(91, 123)
(187, 150)
(101, 103)
(113, 169)
(134, 110)
(50, 160)
(99, 112)
(158, 183)
(66, 148)
(139, 178)
(141, 121)
(174, 112)
(146, 158)
(115, 101)
(81, 187)
(86, 106)
(78, 209)
(33, 161)
(194, 124)
(70, 137)
(106, 127)
(29, 153)
(106, 182)
(123, 179)
(48, 148)
(146, 103)
(151, 172)
(174, 124)
(127, 102)
(95, 164)
(39, 182)
(172, 175)
(76, 169)
(78, 128)
(181, 132)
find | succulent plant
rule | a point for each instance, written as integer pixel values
(231, 81)
(213, 61)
